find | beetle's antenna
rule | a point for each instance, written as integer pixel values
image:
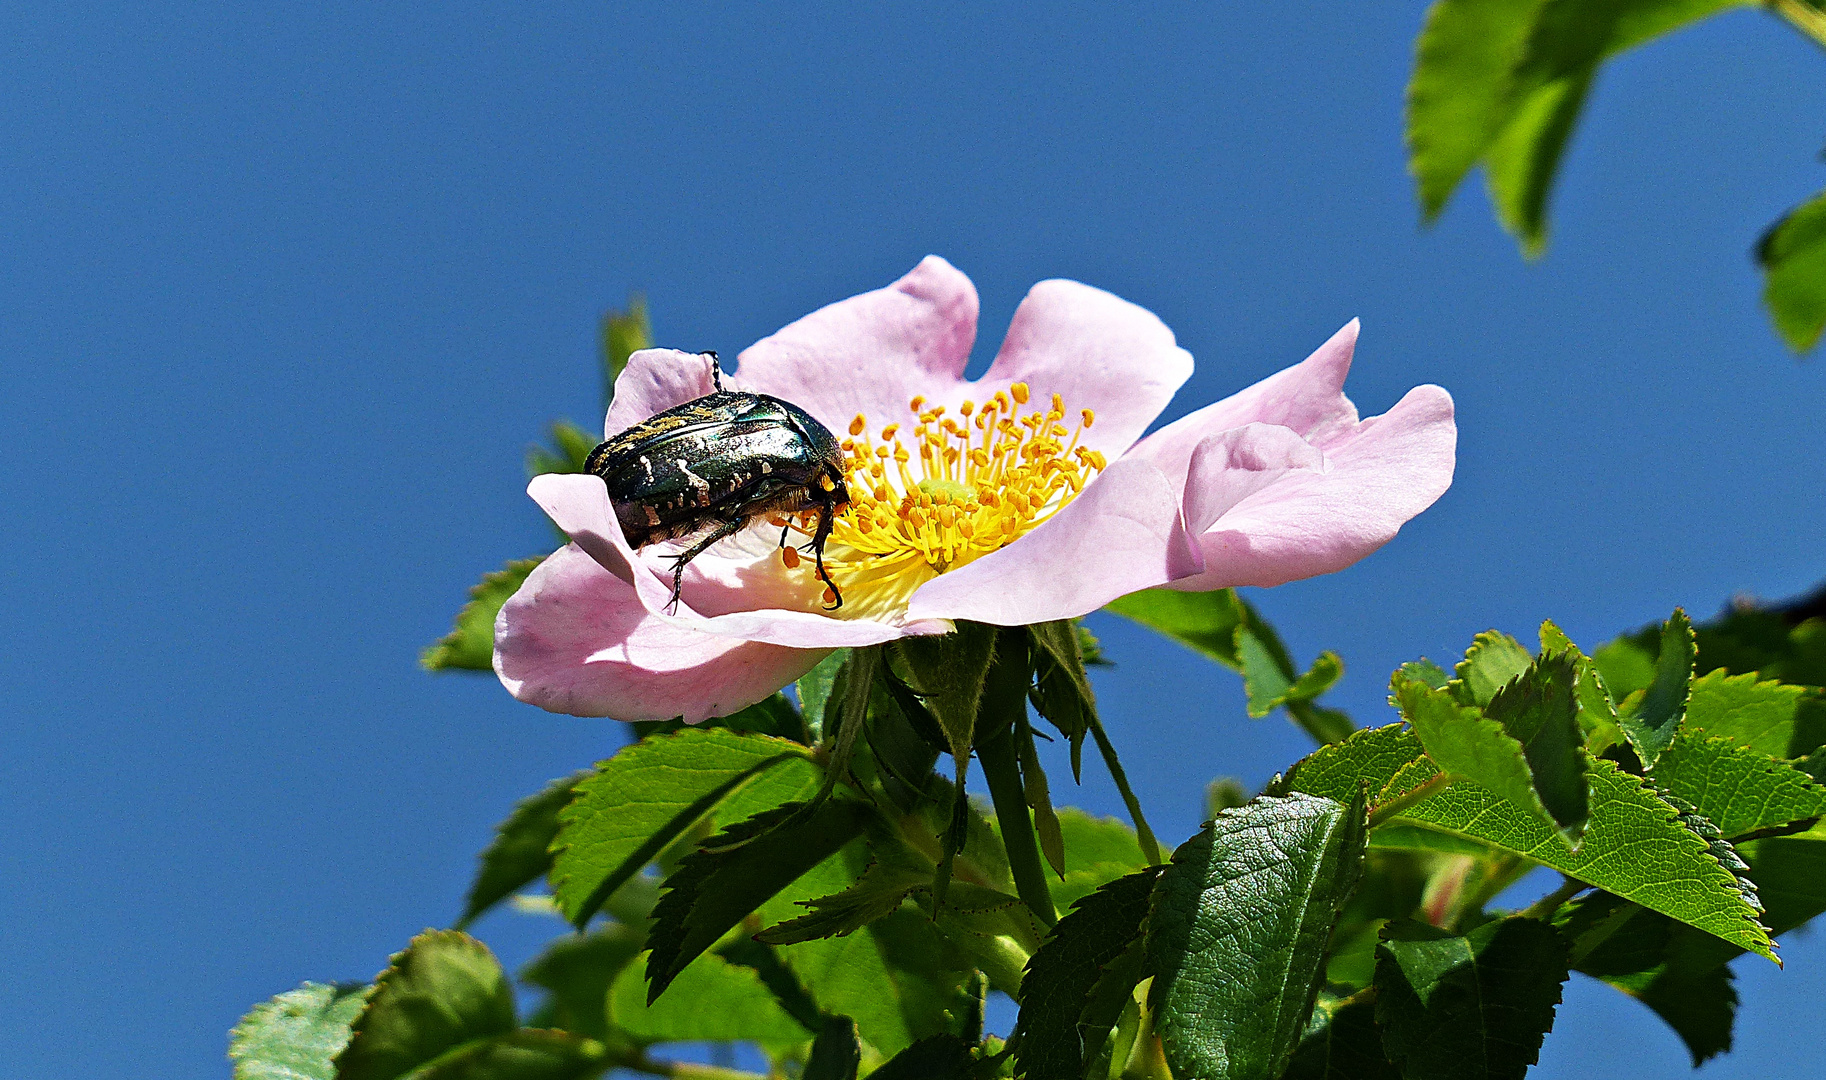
(716, 368)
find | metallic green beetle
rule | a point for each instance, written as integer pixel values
(710, 467)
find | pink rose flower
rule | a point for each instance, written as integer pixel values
(1025, 496)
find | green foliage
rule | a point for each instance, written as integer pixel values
(1077, 956)
(735, 872)
(443, 999)
(940, 1057)
(814, 690)
(471, 645)
(1342, 1042)
(1471, 1006)
(1738, 789)
(1062, 690)
(1224, 627)
(576, 972)
(835, 1055)
(624, 333)
(1636, 844)
(712, 1000)
(1098, 850)
(520, 853)
(297, 1035)
(569, 452)
(948, 671)
(1525, 746)
(1237, 935)
(1650, 721)
(1793, 257)
(1493, 659)
(1501, 83)
(648, 795)
(1770, 718)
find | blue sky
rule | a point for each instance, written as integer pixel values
(288, 289)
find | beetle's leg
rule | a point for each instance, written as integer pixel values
(716, 368)
(826, 520)
(784, 529)
(727, 528)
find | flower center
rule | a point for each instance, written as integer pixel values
(969, 485)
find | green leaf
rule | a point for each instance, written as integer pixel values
(1205, 622)
(1793, 257)
(443, 991)
(1223, 627)
(737, 871)
(471, 646)
(1493, 660)
(1650, 726)
(948, 672)
(1597, 710)
(624, 333)
(713, 1000)
(856, 684)
(836, 1055)
(577, 971)
(897, 977)
(1342, 1042)
(939, 1057)
(1467, 1007)
(1668, 867)
(1767, 717)
(1268, 687)
(646, 796)
(814, 690)
(570, 452)
(1528, 750)
(1636, 951)
(1061, 976)
(297, 1035)
(1098, 850)
(1786, 642)
(1501, 81)
(520, 853)
(1738, 789)
(1062, 690)
(525, 1054)
(879, 890)
(1239, 927)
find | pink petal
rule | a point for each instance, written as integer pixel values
(1230, 466)
(576, 640)
(1122, 534)
(1095, 350)
(872, 353)
(654, 381)
(1307, 398)
(719, 598)
(1379, 475)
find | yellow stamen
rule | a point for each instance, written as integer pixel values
(958, 490)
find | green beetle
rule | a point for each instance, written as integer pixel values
(710, 467)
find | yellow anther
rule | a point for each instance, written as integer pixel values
(916, 404)
(1090, 417)
(901, 455)
(888, 433)
(859, 424)
(830, 596)
(826, 483)
(1019, 391)
(1058, 404)
(1059, 431)
(967, 408)
(881, 494)
(790, 556)
(980, 458)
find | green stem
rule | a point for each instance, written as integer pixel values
(1544, 908)
(638, 1061)
(1149, 846)
(1420, 794)
(1000, 768)
(1803, 16)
